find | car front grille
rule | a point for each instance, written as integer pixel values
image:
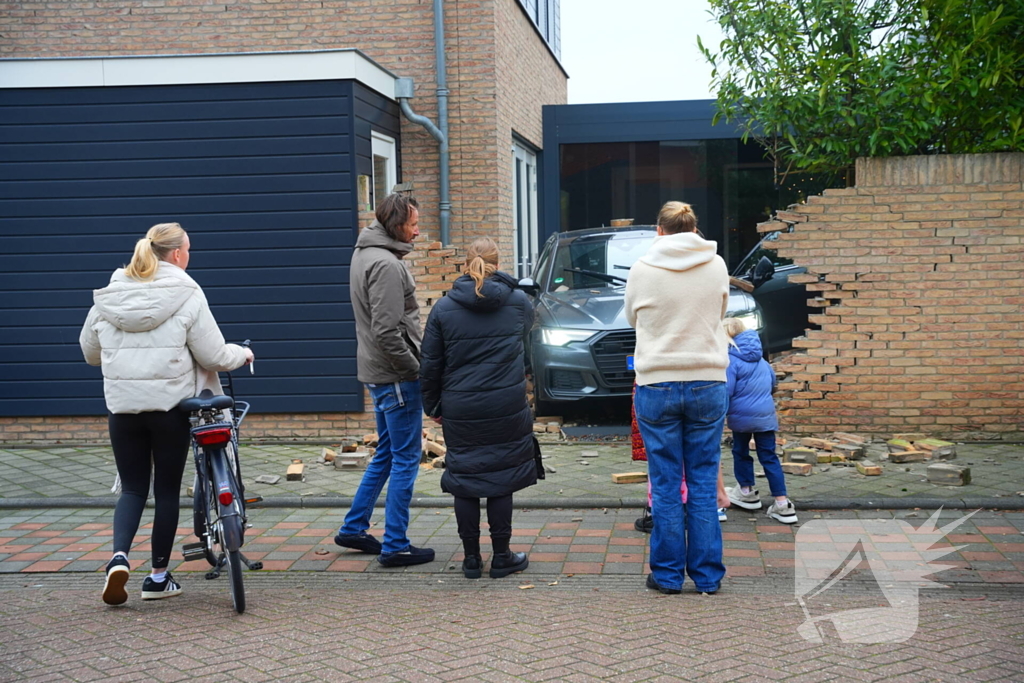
(610, 353)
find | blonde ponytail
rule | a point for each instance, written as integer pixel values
(158, 243)
(481, 261)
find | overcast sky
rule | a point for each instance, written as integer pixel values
(637, 50)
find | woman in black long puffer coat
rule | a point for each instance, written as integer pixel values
(473, 375)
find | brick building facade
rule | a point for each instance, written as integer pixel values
(918, 273)
(500, 68)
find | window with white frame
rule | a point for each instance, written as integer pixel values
(524, 208)
(384, 173)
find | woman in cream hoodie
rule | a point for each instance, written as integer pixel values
(152, 332)
(676, 298)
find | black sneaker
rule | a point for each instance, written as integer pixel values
(503, 564)
(364, 542)
(118, 572)
(410, 556)
(168, 588)
(655, 586)
(472, 567)
(645, 523)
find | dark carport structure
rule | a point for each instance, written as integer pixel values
(608, 161)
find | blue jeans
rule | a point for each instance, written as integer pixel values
(743, 464)
(681, 423)
(399, 412)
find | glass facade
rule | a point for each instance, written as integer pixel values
(728, 182)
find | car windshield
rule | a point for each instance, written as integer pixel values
(760, 250)
(597, 261)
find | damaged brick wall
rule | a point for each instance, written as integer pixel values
(916, 274)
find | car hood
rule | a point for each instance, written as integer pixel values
(603, 309)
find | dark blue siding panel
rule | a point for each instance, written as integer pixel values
(372, 112)
(262, 177)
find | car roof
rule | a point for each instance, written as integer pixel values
(569, 235)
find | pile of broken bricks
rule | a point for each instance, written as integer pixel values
(850, 450)
(843, 450)
(548, 426)
(348, 456)
(352, 455)
(434, 449)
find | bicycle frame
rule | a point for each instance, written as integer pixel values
(218, 470)
(219, 518)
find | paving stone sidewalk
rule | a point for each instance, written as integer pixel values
(997, 472)
(305, 628)
(990, 545)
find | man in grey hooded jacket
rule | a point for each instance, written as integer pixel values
(388, 336)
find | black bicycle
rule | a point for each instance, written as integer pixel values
(219, 502)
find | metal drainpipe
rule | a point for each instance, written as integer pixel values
(404, 88)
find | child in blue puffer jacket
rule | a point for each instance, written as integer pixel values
(751, 382)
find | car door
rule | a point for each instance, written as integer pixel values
(783, 303)
(785, 307)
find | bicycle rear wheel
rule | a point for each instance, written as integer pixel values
(235, 574)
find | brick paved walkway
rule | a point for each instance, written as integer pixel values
(560, 542)
(308, 627)
(997, 471)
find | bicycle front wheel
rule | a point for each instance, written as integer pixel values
(234, 558)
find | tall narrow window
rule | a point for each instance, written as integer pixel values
(524, 208)
(384, 168)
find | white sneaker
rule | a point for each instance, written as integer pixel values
(168, 588)
(722, 516)
(747, 501)
(783, 513)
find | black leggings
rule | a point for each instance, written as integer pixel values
(160, 438)
(499, 517)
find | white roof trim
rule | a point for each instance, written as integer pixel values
(191, 69)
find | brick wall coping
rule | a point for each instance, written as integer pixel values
(244, 67)
(940, 169)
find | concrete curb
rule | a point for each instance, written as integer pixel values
(548, 503)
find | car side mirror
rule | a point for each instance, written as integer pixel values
(528, 285)
(763, 272)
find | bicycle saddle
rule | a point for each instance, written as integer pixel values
(206, 401)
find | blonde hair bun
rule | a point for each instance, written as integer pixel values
(676, 217)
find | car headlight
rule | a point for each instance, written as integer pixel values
(556, 336)
(751, 320)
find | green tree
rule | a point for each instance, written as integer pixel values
(821, 82)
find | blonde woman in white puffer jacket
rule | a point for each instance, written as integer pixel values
(152, 332)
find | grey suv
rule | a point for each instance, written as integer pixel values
(581, 345)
